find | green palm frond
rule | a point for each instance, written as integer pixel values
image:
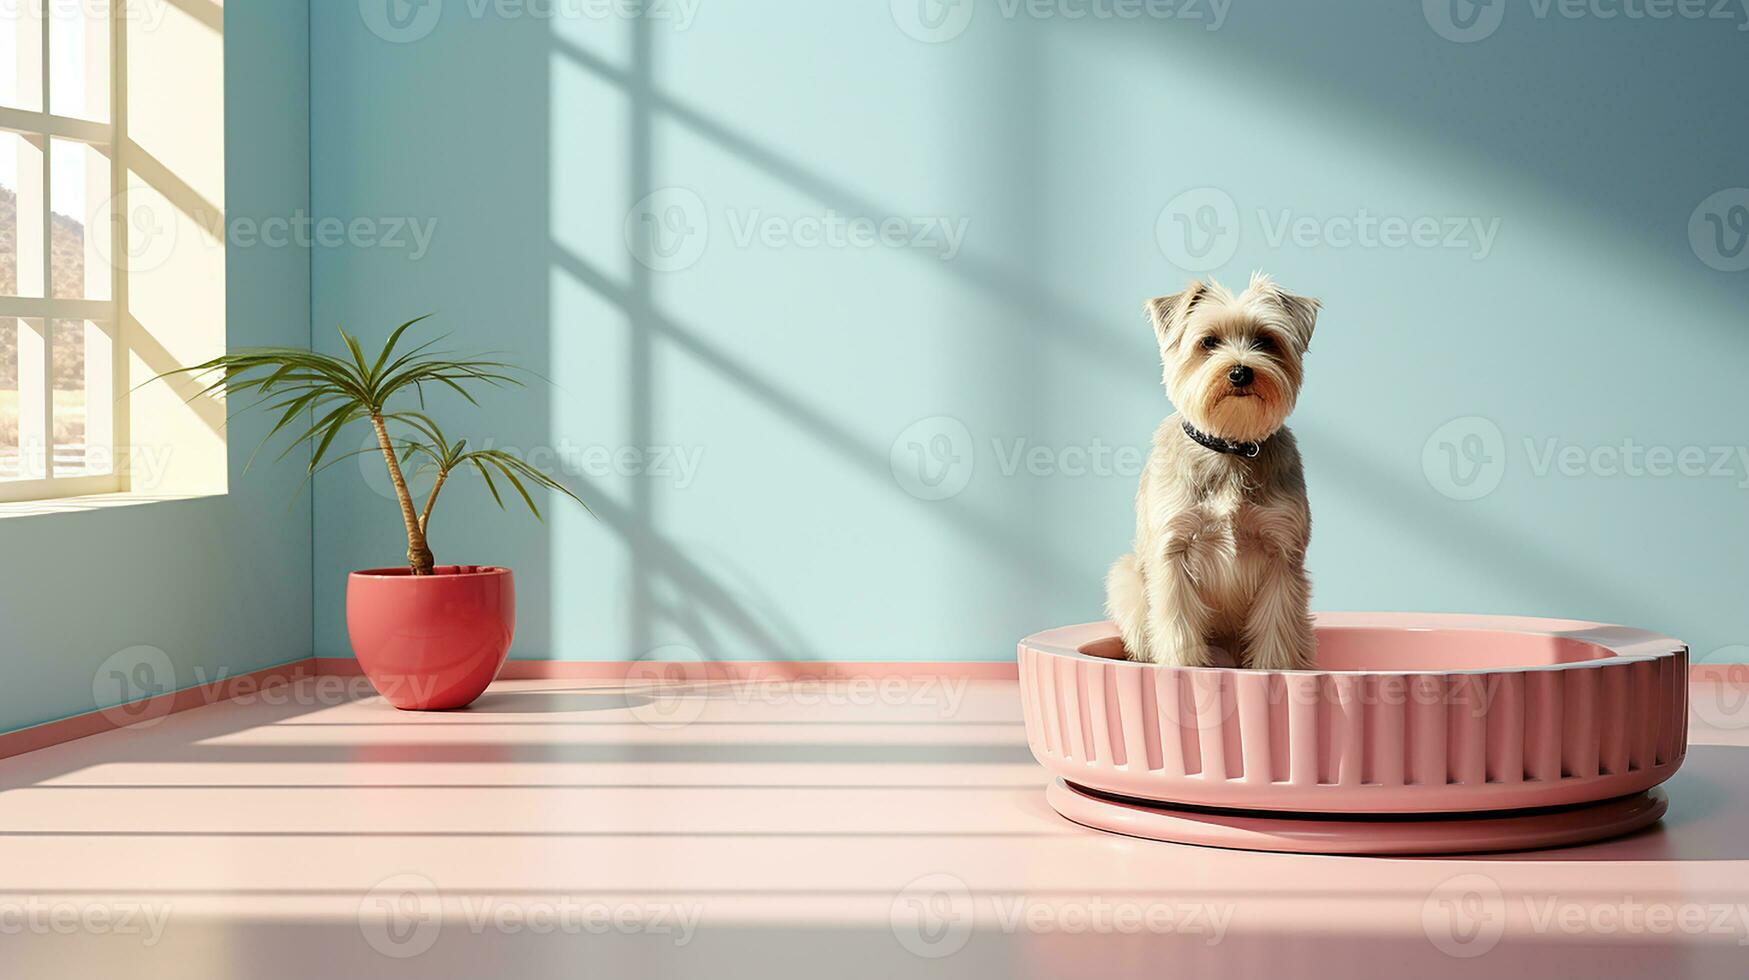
(313, 397)
(515, 470)
(337, 391)
(491, 464)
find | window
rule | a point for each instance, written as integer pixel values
(63, 372)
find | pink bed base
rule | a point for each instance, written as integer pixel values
(1418, 733)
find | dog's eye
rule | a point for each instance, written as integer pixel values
(1211, 342)
(1264, 344)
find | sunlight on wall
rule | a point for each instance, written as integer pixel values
(176, 228)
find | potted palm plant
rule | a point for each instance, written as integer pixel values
(428, 636)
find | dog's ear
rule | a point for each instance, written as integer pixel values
(1301, 311)
(1169, 313)
(1302, 316)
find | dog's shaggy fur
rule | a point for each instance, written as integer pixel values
(1218, 574)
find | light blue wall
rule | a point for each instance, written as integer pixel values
(221, 585)
(796, 371)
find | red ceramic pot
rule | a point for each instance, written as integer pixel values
(431, 642)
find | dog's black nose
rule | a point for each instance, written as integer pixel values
(1240, 376)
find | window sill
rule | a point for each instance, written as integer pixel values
(96, 501)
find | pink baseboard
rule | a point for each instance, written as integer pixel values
(96, 722)
(749, 670)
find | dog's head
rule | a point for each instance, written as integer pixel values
(1234, 363)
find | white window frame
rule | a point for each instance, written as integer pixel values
(36, 316)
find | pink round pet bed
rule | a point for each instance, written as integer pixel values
(1417, 734)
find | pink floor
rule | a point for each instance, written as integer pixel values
(874, 828)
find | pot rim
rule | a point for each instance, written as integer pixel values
(455, 572)
(1625, 644)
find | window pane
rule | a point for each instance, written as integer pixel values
(79, 58)
(8, 221)
(21, 399)
(8, 398)
(21, 216)
(21, 62)
(84, 398)
(80, 201)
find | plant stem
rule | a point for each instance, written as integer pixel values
(431, 501)
(418, 554)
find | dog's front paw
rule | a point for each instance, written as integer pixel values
(1282, 652)
(1181, 647)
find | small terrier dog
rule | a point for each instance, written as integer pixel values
(1218, 573)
